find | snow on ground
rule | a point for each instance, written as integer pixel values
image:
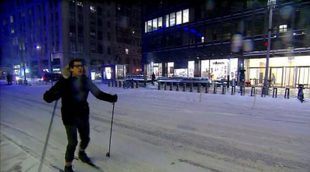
(161, 131)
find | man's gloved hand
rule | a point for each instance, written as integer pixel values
(50, 96)
(114, 98)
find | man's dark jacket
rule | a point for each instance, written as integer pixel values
(74, 92)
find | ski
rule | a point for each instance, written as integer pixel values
(57, 168)
(90, 163)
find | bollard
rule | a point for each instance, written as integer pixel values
(191, 87)
(124, 82)
(132, 84)
(177, 85)
(171, 85)
(242, 90)
(263, 92)
(198, 88)
(274, 92)
(214, 88)
(233, 89)
(158, 85)
(253, 91)
(287, 93)
(120, 84)
(223, 89)
(165, 85)
(207, 88)
(184, 86)
(137, 84)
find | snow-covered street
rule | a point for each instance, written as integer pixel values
(161, 131)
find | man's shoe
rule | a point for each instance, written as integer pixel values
(83, 157)
(68, 169)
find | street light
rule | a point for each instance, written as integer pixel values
(271, 4)
(50, 62)
(22, 50)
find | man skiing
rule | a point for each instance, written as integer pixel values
(73, 90)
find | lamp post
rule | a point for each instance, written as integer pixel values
(51, 62)
(22, 50)
(271, 4)
(39, 51)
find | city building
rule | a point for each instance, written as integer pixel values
(40, 36)
(225, 40)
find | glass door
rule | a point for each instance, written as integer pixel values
(303, 76)
(276, 76)
(289, 77)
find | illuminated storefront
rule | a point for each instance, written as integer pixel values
(113, 72)
(284, 71)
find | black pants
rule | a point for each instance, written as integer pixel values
(83, 128)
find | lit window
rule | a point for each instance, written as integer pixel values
(167, 21)
(179, 17)
(11, 19)
(78, 3)
(172, 19)
(283, 28)
(149, 25)
(160, 22)
(92, 33)
(126, 50)
(202, 39)
(92, 9)
(155, 24)
(12, 31)
(185, 15)
(145, 27)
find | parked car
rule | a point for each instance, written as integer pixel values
(49, 77)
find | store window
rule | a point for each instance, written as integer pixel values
(170, 69)
(191, 68)
(205, 70)
(283, 28)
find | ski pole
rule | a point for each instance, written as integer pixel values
(47, 137)
(108, 153)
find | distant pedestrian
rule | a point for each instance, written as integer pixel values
(9, 78)
(73, 90)
(153, 78)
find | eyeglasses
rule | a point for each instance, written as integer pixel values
(77, 66)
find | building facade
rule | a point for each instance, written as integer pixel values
(40, 36)
(229, 40)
